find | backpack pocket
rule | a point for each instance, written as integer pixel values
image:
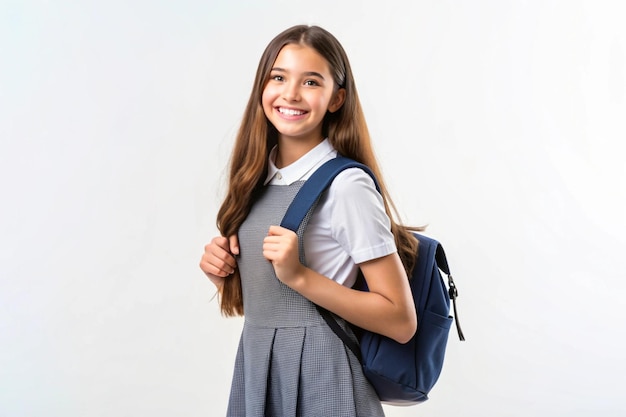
(432, 337)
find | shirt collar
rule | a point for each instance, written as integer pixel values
(302, 168)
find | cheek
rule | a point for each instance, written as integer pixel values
(266, 106)
(267, 98)
(264, 97)
(320, 101)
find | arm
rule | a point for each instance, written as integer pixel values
(386, 309)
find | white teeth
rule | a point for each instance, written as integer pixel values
(290, 112)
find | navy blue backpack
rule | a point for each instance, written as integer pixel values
(401, 374)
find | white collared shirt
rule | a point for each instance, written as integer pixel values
(349, 225)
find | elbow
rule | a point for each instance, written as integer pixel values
(406, 334)
(406, 329)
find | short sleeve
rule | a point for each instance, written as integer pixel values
(359, 222)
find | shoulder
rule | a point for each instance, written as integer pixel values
(357, 217)
(352, 182)
(353, 193)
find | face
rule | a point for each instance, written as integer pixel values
(298, 94)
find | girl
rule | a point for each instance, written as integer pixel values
(304, 110)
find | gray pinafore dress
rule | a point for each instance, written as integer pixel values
(289, 362)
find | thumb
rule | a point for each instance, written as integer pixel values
(276, 231)
(234, 244)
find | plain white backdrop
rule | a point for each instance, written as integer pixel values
(500, 124)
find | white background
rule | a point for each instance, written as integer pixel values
(499, 123)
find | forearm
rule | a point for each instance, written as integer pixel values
(366, 309)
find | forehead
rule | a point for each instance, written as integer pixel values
(301, 58)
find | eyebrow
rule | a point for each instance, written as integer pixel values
(307, 74)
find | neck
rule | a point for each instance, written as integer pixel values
(289, 151)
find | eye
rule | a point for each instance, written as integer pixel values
(277, 77)
(311, 83)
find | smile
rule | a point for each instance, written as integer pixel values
(290, 112)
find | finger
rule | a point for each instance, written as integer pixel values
(272, 245)
(220, 249)
(218, 259)
(234, 244)
(270, 254)
(277, 231)
(212, 270)
(216, 267)
(271, 239)
(223, 261)
(220, 241)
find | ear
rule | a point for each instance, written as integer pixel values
(337, 101)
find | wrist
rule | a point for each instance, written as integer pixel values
(299, 280)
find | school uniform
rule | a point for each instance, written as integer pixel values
(289, 362)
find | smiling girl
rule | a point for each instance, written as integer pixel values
(304, 110)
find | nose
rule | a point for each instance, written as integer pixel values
(291, 91)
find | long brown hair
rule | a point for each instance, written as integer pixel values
(346, 130)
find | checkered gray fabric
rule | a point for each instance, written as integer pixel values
(289, 362)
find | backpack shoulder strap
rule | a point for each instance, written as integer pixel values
(311, 190)
(304, 200)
